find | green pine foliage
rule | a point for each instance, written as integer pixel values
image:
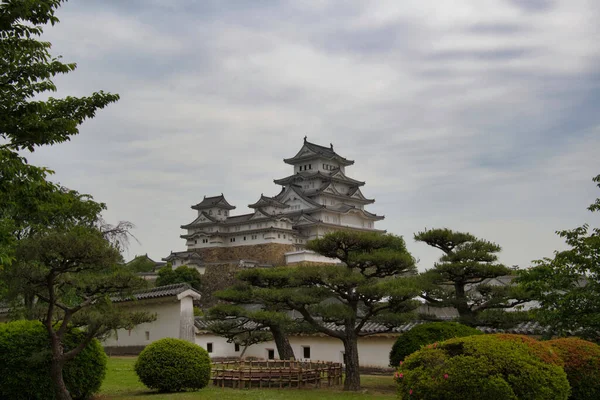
(425, 334)
(480, 367)
(25, 363)
(173, 365)
(461, 279)
(183, 274)
(582, 365)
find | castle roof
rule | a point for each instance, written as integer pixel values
(265, 201)
(212, 202)
(353, 194)
(335, 175)
(186, 255)
(310, 151)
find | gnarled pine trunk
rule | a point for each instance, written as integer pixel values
(56, 370)
(352, 380)
(281, 341)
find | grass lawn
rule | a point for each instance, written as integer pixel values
(121, 383)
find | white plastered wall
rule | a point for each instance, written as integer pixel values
(373, 351)
(167, 323)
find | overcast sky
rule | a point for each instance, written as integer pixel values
(477, 115)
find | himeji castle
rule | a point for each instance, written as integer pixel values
(318, 197)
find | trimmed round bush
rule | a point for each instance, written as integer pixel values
(173, 365)
(480, 367)
(582, 365)
(424, 334)
(25, 356)
(542, 350)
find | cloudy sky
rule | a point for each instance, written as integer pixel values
(477, 115)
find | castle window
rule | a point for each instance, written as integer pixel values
(209, 347)
(306, 352)
(195, 242)
(284, 236)
(309, 166)
(244, 237)
(232, 239)
(279, 235)
(237, 347)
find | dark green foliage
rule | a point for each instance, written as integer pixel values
(461, 279)
(567, 286)
(582, 365)
(25, 363)
(141, 264)
(425, 334)
(480, 367)
(173, 365)
(183, 274)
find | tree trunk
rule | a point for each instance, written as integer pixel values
(352, 381)
(56, 369)
(243, 352)
(465, 313)
(60, 389)
(281, 341)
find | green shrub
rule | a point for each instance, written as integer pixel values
(25, 363)
(542, 350)
(173, 365)
(425, 334)
(480, 367)
(582, 365)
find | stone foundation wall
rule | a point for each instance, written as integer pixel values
(268, 253)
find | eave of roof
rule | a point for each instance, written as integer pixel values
(307, 175)
(318, 151)
(159, 292)
(214, 201)
(265, 201)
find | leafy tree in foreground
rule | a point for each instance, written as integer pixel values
(567, 286)
(460, 278)
(26, 121)
(369, 287)
(74, 273)
(183, 274)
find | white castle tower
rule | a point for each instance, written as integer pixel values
(317, 198)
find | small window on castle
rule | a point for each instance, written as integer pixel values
(237, 347)
(279, 235)
(284, 236)
(271, 354)
(244, 237)
(209, 347)
(195, 242)
(309, 166)
(306, 352)
(147, 335)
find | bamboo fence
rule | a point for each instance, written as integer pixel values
(275, 373)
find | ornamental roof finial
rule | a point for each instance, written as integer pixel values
(305, 138)
(331, 145)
